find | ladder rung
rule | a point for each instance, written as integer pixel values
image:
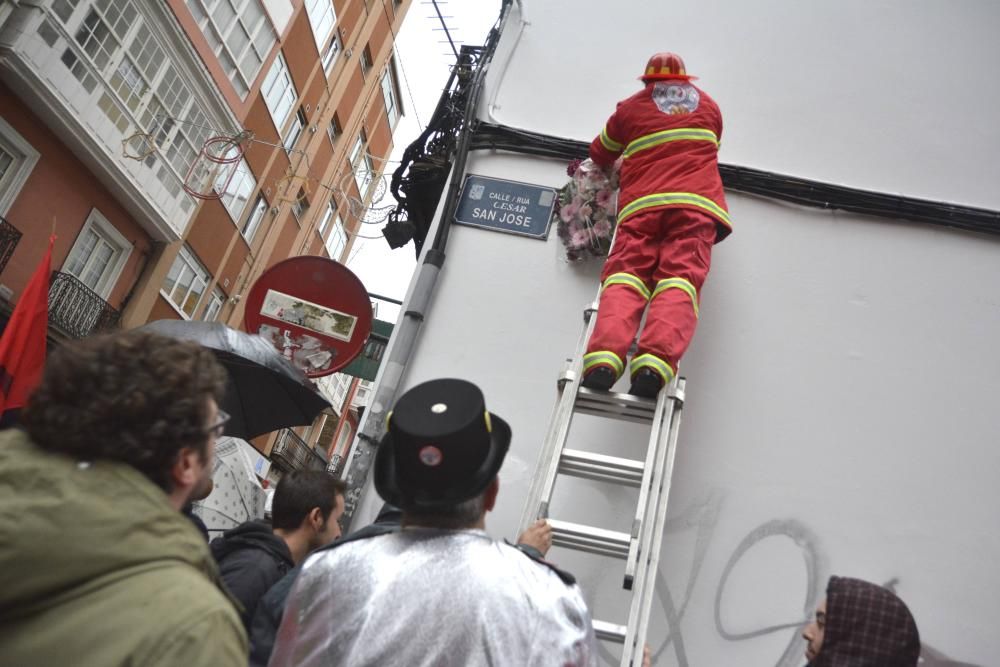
(601, 467)
(616, 406)
(610, 631)
(588, 538)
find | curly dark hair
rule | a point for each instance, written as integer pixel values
(133, 397)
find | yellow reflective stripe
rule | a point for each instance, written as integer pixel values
(664, 136)
(674, 198)
(592, 359)
(627, 279)
(657, 364)
(681, 284)
(610, 143)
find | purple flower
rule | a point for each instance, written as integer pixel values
(569, 211)
(604, 198)
(573, 166)
(586, 211)
(602, 229)
(579, 239)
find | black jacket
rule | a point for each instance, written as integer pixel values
(251, 559)
(264, 629)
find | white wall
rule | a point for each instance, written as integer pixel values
(840, 413)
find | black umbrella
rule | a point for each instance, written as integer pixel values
(265, 391)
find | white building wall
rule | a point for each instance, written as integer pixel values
(840, 414)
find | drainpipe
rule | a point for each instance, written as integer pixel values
(405, 335)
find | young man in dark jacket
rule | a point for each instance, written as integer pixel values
(861, 625)
(253, 556)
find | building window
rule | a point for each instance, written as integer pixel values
(185, 283)
(366, 61)
(279, 92)
(98, 255)
(389, 95)
(295, 129)
(335, 388)
(343, 439)
(256, 216)
(214, 307)
(331, 230)
(362, 164)
(17, 159)
(240, 35)
(143, 88)
(322, 18)
(329, 53)
(301, 204)
(335, 129)
(361, 394)
(237, 193)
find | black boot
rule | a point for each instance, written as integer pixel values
(601, 379)
(646, 383)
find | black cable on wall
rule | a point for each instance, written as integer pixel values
(805, 192)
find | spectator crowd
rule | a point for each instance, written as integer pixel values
(99, 566)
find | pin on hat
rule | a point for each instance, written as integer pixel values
(442, 446)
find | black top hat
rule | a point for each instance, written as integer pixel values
(442, 446)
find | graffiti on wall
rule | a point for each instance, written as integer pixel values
(703, 517)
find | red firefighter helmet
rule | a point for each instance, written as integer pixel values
(665, 65)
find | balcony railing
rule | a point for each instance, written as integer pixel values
(9, 237)
(76, 310)
(290, 452)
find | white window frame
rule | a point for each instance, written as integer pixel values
(366, 60)
(295, 129)
(214, 306)
(329, 55)
(204, 12)
(323, 21)
(279, 93)
(362, 395)
(359, 153)
(256, 217)
(25, 158)
(344, 438)
(240, 189)
(102, 227)
(336, 240)
(299, 209)
(200, 272)
(392, 109)
(155, 88)
(334, 129)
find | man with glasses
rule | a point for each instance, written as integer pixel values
(97, 564)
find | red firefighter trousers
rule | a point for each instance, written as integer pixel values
(661, 259)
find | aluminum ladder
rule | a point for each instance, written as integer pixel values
(639, 547)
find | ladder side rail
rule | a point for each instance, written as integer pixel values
(631, 644)
(540, 492)
(642, 600)
(651, 466)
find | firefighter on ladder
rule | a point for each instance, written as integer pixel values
(671, 211)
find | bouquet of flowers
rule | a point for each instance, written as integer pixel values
(585, 210)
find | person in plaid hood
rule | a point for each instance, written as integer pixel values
(860, 624)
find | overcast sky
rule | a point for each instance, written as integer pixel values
(425, 60)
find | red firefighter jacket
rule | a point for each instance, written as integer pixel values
(668, 136)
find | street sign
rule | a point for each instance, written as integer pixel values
(313, 310)
(506, 206)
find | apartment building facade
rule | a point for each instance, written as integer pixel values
(112, 112)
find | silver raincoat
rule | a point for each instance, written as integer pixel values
(428, 597)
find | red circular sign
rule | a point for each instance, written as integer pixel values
(313, 310)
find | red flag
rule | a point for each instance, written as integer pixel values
(22, 346)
